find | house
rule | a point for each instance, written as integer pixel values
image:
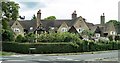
(74, 25)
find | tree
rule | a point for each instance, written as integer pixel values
(10, 10)
(34, 17)
(7, 35)
(19, 38)
(50, 18)
(116, 24)
(30, 37)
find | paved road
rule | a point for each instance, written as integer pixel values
(106, 56)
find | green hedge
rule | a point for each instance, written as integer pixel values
(59, 47)
(40, 47)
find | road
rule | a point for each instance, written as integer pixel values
(36, 58)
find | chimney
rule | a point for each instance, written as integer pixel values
(38, 18)
(74, 15)
(102, 19)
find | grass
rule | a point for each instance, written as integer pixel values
(6, 53)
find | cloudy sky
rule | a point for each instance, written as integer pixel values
(62, 9)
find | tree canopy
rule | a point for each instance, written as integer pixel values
(34, 17)
(116, 24)
(10, 10)
(50, 18)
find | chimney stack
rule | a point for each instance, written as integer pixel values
(102, 19)
(38, 18)
(74, 15)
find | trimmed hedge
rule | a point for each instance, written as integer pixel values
(59, 47)
(40, 47)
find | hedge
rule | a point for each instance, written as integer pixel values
(59, 47)
(40, 47)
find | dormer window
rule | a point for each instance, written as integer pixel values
(31, 28)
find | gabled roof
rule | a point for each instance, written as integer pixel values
(72, 30)
(107, 27)
(55, 23)
(27, 24)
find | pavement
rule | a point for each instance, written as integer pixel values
(37, 58)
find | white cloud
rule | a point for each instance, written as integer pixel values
(62, 9)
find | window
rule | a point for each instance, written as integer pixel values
(64, 29)
(112, 33)
(52, 28)
(80, 30)
(31, 28)
(16, 30)
(97, 35)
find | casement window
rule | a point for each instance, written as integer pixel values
(52, 28)
(16, 30)
(112, 33)
(80, 30)
(97, 35)
(64, 29)
(31, 28)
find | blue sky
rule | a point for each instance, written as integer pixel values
(62, 9)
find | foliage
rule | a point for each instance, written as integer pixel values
(116, 23)
(34, 17)
(50, 18)
(5, 24)
(20, 38)
(117, 38)
(58, 37)
(59, 47)
(7, 35)
(10, 10)
(111, 38)
(2, 53)
(30, 37)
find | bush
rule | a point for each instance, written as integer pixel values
(30, 37)
(59, 47)
(40, 47)
(58, 37)
(20, 38)
(7, 35)
(117, 38)
(111, 38)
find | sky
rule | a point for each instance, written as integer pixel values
(91, 10)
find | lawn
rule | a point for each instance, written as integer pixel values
(6, 53)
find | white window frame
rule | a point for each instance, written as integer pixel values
(80, 30)
(31, 28)
(64, 29)
(97, 35)
(52, 28)
(16, 30)
(112, 33)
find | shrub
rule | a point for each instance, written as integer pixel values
(40, 47)
(59, 47)
(58, 37)
(30, 37)
(117, 38)
(111, 38)
(7, 35)
(20, 38)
